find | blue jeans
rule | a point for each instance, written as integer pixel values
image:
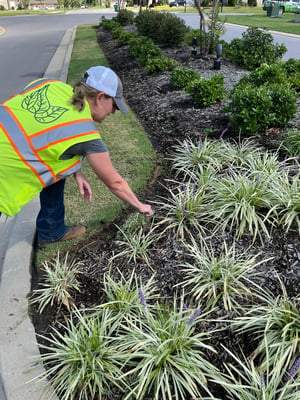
(50, 223)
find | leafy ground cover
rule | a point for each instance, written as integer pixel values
(175, 289)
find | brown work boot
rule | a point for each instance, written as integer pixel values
(72, 233)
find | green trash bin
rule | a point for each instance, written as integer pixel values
(272, 11)
(116, 7)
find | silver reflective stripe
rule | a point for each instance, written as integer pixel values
(26, 152)
(63, 132)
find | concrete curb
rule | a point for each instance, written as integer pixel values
(19, 351)
(18, 345)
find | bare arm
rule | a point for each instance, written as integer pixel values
(103, 168)
(84, 186)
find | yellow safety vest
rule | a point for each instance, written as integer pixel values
(36, 128)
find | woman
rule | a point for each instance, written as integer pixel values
(45, 131)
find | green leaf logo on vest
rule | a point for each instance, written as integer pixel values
(38, 104)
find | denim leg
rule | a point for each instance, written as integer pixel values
(50, 223)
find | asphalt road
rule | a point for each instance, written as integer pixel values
(30, 41)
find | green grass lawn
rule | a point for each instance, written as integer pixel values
(281, 24)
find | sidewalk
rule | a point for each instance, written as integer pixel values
(18, 346)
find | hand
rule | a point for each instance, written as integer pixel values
(84, 186)
(102, 166)
(146, 209)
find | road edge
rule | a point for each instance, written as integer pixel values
(20, 358)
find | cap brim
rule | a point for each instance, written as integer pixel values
(121, 105)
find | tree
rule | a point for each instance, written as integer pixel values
(209, 26)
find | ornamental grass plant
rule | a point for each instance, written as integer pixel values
(233, 186)
(127, 294)
(168, 355)
(59, 284)
(136, 246)
(291, 143)
(194, 157)
(139, 345)
(243, 204)
(286, 196)
(83, 357)
(238, 152)
(275, 326)
(183, 210)
(155, 348)
(220, 277)
(266, 164)
(244, 380)
(219, 155)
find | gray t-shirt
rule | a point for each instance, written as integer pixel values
(82, 149)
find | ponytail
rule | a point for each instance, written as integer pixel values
(81, 93)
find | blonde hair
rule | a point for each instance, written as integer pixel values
(81, 93)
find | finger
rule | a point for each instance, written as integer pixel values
(88, 195)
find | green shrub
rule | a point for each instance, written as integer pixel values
(146, 54)
(264, 75)
(164, 28)
(124, 37)
(148, 51)
(255, 48)
(160, 63)
(294, 81)
(125, 17)
(146, 24)
(266, 97)
(284, 103)
(278, 73)
(138, 45)
(292, 67)
(207, 91)
(171, 29)
(109, 24)
(181, 77)
(255, 109)
(144, 50)
(116, 32)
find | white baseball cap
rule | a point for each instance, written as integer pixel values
(106, 80)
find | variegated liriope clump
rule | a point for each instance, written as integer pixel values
(59, 283)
